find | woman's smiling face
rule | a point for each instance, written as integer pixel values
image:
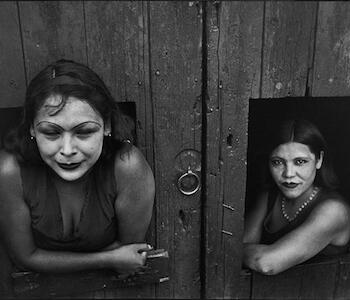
(293, 167)
(70, 141)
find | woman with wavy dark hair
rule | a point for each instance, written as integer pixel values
(300, 215)
(75, 193)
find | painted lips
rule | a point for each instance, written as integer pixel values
(69, 166)
(290, 185)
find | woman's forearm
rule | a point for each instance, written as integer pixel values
(60, 262)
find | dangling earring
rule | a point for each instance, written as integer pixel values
(109, 134)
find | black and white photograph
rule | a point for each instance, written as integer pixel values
(175, 149)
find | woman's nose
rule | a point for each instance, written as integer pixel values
(67, 147)
(289, 171)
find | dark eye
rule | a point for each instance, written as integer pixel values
(84, 133)
(300, 162)
(276, 162)
(51, 134)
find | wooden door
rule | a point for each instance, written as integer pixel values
(149, 53)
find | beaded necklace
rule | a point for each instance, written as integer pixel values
(299, 210)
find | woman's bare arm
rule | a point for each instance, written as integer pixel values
(136, 190)
(327, 224)
(15, 228)
(254, 220)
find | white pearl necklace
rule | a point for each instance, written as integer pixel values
(283, 205)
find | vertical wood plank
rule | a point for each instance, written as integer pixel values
(288, 47)
(342, 288)
(12, 75)
(319, 281)
(5, 273)
(234, 30)
(51, 30)
(121, 58)
(175, 49)
(117, 49)
(332, 51)
(285, 285)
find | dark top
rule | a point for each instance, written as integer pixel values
(97, 227)
(269, 237)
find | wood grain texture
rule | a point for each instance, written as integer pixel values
(51, 30)
(285, 285)
(175, 53)
(288, 47)
(332, 51)
(117, 49)
(342, 288)
(12, 75)
(234, 50)
(319, 281)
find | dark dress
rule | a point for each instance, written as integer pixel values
(268, 237)
(97, 227)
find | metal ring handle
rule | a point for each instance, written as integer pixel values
(188, 176)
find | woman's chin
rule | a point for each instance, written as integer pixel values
(291, 193)
(70, 175)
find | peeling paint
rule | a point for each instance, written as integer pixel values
(342, 48)
(279, 85)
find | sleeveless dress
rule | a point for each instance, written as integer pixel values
(97, 226)
(269, 237)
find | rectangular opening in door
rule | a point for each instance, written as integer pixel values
(331, 117)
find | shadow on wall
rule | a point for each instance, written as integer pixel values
(330, 115)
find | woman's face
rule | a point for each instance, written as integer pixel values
(293, 167)
(70, 142)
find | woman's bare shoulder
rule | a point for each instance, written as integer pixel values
(333, 206)
(333, 213)
(10, 178)
(134, 175)
(9, 166)
(130, 162)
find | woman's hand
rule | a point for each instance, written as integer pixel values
(128, 259)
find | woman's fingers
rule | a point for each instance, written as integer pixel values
(145, 248)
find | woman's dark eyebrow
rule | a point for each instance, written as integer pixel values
(81, 124)
(276, 157)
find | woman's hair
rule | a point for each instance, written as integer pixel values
(66, 78)
(304, 132)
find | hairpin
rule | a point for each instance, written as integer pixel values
(53, 73)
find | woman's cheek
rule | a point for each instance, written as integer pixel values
(47, 148)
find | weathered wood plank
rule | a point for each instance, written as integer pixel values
(120, 57)
(234, 57)
(332, 51)
(175, 49)
(51, 30)
(288, 47)
(285, 285)
(12, 75)
(6, 290)
(319, 281)
(342, 289)
(244, 290)
(90, 283)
